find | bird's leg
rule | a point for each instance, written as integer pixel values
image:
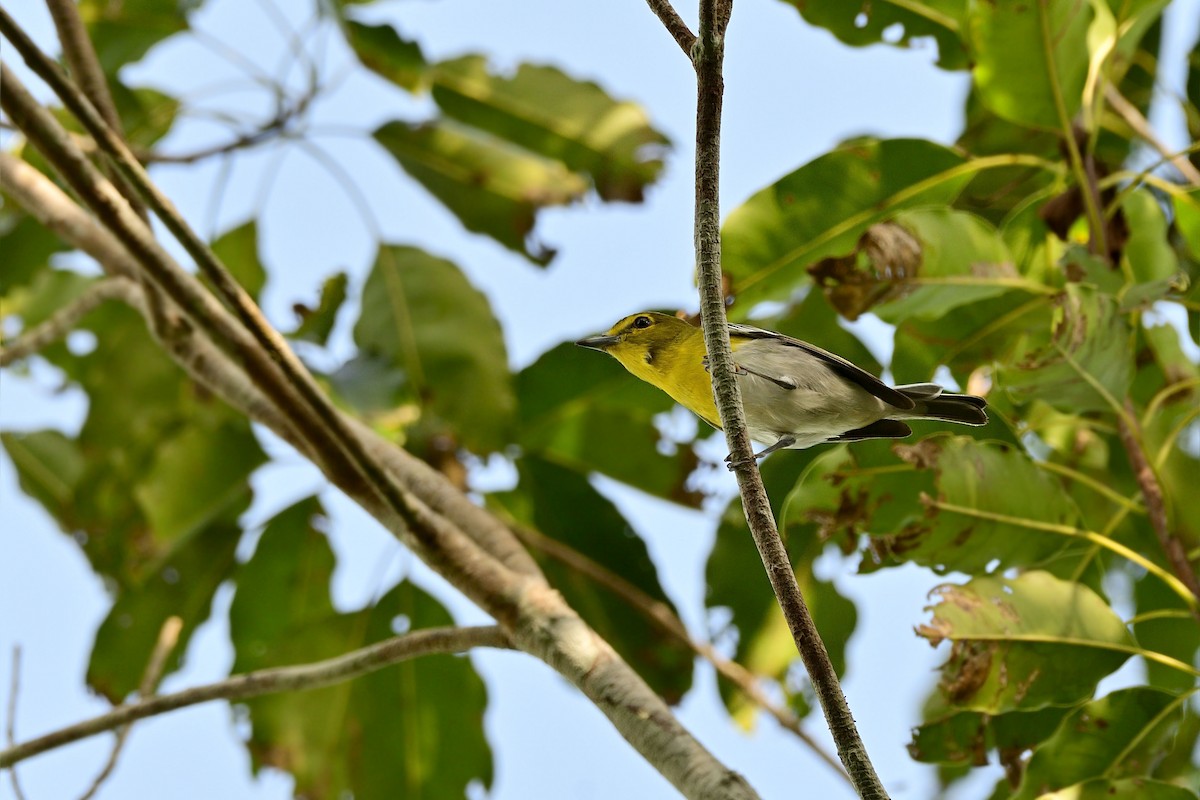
(783, 443)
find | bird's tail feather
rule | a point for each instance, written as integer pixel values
(933, 403)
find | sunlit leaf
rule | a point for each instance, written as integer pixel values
(893, 23)
(492, 186)
(559, 503)
(583, 410)
(422, 320)
(1029, 58)
(382, 50)
(413, 729)
(1117, 736)
(1120, 789)
(584, 128)
(1087, 361)
(821, 209)
(1024, 643)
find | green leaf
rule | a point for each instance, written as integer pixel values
(1027, 53)
(411, 730)
(1148, 252)
(47, 292)
(1122, 789)
(963, 260)
(584, 411)
(382, 50)
(822, 209)
(1120, 735)
(146, 114)
(237, 249)
(561, 504)
(1164, 624)
(966, 737)
(1024, 643)
(123, 32)
(422, 318)
(49, 466)
(182, 585)
(197, 477)
(893, 23)
(1087, 362)
(492, 186)
(317, 323)
(584, 128)
(27, 247)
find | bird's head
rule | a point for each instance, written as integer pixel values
(645, 343)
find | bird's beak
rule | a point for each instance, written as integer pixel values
(602, 342)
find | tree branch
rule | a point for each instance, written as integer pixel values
(708, 56)
(1156, 508)
(10, 722)
(539, 620)
(168, 636)
(662, 615)
(674, 24)
(1141, 126)
(272, 681)
(64, 320)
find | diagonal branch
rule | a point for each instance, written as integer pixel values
(1156, 508)
(1141, 126)
(272, 681)
(674, 24)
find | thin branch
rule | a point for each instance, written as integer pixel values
(63, 321)
(1141, 126)
(10, 724)
(674, 24)
(272, 681)
(708, 56)
(168, 636)
(661, 614)
(1156, 507)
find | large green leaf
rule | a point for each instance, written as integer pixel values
(584, 411)
(27, 246)
(424, 323)
(1030, 58)
(560, 504)
(492, 186)
(821, 209)
(182, 585)
(952, 736)
(411, 730)
(1087, 362)
(49, 465)
(1024, 643)
(146, 114)
(962, 260)
(1121, 789)
(1120, 735)
(588, 131)
(895, 23)
(123, 32)
(382, 50)
(1165, 625)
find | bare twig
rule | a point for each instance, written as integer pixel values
(272, 681)
(674, 24)
(10, 724)
(708, 56)
(1156, 509)
(1141, 126)
(662, 615)
(167, 638)
(64, 320)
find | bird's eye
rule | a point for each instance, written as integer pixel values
(643, 322)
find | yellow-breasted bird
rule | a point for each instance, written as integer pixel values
(795, 394)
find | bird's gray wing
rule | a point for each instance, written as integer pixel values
(836, 363)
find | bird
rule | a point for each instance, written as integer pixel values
(795, 394)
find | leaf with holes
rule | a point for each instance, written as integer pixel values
(1024, 643)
